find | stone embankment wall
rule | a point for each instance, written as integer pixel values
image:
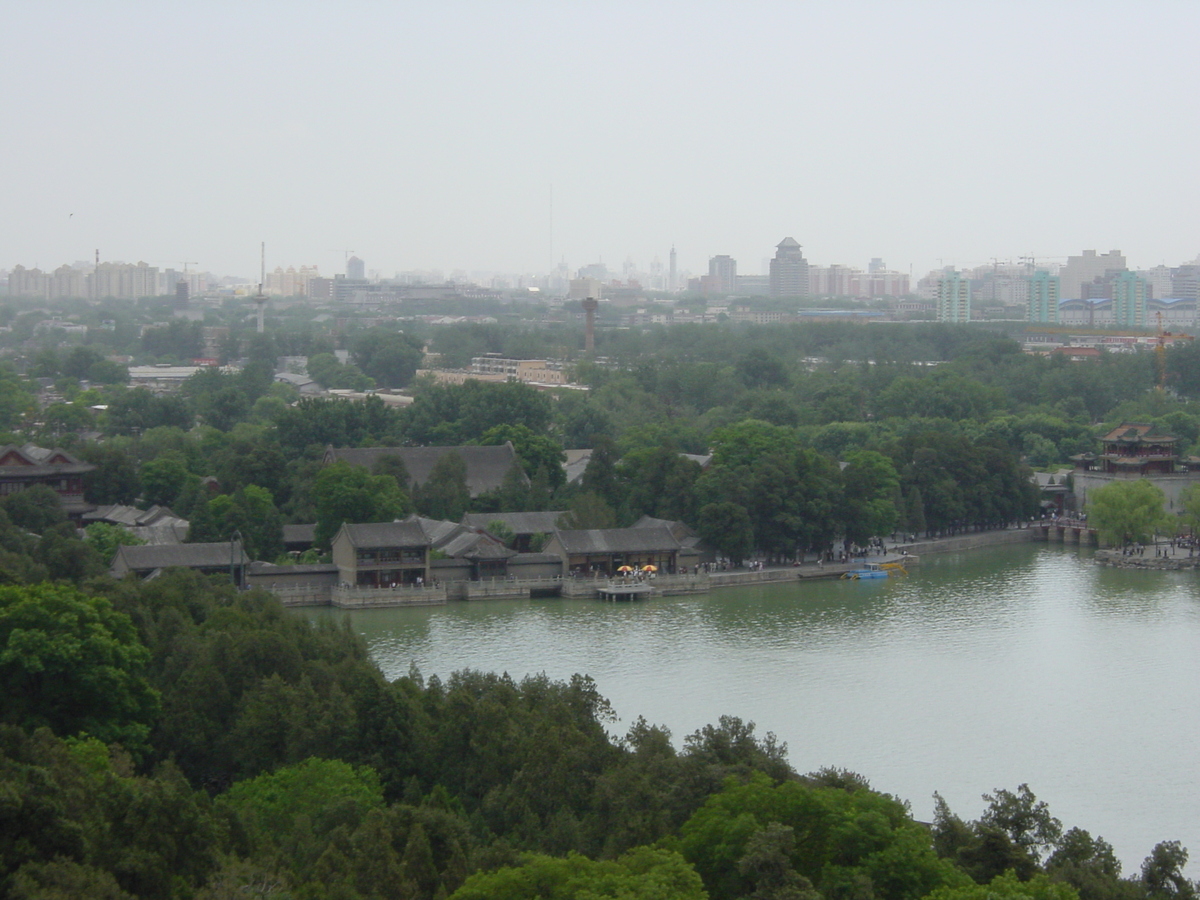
(1119, 560)
(968, 541)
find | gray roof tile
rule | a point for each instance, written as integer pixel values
(486, 466)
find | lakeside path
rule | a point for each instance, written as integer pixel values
(895, 553)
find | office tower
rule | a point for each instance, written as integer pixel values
(1043, 297)
(1185, 282)
(722, 273)
(356, 269)
(1160, 282)
(1129, 300)
(953, 297)
(789, 270)
(1085, 269)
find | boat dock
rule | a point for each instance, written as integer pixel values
(615, 591)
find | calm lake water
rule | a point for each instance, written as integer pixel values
(979, 670)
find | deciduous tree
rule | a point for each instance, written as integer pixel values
(1125, 511)
(73, 663)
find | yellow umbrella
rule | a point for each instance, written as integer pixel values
(625, 568)
(649, 568)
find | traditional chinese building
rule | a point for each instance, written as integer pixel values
(23, 467)
(1133, 450)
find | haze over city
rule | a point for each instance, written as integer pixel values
(482, 136)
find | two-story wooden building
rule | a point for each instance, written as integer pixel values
(28, 465)
(603, 551)
(1133, 450)
(382, 554)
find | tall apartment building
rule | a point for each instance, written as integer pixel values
(356, 269)
(832, 281)
(1042, 304)
(1160, 282)
(1185, 282)
(789, 270)
(290, 283)
(879, 284)
(953, 297)
(722, 275)
(23, 282)
(124, 281)
(1129, 295)
(120, 280)
(582, 288)
(1085, 269)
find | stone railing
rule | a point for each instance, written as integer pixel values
(300, 595)
(352, 597)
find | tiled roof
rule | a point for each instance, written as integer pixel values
(192, 556)
(386, 534)
(679, 529)
(576, 464)
(469, 544)
(457, 540)
(486, 466)
(167, 531)
(299, 534)
(32, 461)
(618, 540)
(1136, 432)
(130, 516)
(519, 522)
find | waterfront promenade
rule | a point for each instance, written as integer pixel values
(907, 554)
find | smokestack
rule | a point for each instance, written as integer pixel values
(589, 309)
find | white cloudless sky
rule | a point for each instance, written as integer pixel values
(428, 134)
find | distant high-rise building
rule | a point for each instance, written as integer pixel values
(1085, 269)
(789, 270)
(1043, 297)
(1129, 295)
(597, 270)
(124, 281)
(583, 288)
(953, 297)
(356, 269)
(1185, 282)
(1160, 282)
(673, 275)
(722, 273)
(830, 281)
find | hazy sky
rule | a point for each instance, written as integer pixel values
(433, 134)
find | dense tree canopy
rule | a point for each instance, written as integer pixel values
(71, 662)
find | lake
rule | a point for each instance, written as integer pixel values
(979, 670)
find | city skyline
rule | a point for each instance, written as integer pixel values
(498, 138)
